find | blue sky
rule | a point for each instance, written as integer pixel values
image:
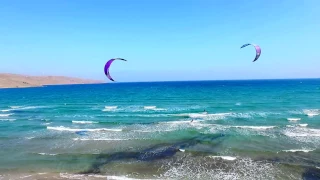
(162, 39)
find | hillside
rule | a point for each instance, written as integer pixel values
(17, 81)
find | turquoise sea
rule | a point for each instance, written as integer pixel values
(259, 129)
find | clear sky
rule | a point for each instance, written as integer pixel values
(161, 39)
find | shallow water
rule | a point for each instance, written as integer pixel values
(252, 130)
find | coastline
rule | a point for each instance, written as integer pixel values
(8, 81)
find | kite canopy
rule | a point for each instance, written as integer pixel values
(107, 66)
(258, 50)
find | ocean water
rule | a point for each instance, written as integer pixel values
(261, 129)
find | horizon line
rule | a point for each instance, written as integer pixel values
(117, 82)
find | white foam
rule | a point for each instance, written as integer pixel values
(205, 115)
(42, 173)
(22, 177)
(150, 107)
(298, 150)
(293, 119)
(5, 110)
(15, 107)
(302, 132)
(311, 112)
(47, 154)
(175, 122)
(182, 150)
(300, 125)
(72, 176)
(255, 127)
(238, 104)
(5, 115)
(123, 178)
(110, 108)
(25, 107)
(7, 119)
(154, 108)
(229, 158)
(100, 139)
(84, 122)
(62, 128)
(83, 176)
(98, 176)
(156, 130)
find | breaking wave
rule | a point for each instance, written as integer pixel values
(62, 128)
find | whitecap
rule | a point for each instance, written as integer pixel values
(110, 108)
(229, 158)
(62, 128)
(302, 132)
(47, 154)
(22, 177)
(5, 115)
(300, 125)
(99, 139)
(84, 122)
(298, 150)
(26, 107)
(15, 107)
(150, 107)
(205, 115)
(123, 178)
(7, 119)
(42, 173)
(5, 110)
(154, 108)
(255, 127)
(175, 122)
(293, 119)
(311, 112)
(84, 176)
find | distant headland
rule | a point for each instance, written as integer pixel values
(8, 80)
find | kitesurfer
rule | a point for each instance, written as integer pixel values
(205, 112)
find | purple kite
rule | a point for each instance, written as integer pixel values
(107, 66)
(258, 50)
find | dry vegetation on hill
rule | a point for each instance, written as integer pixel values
(17, 81)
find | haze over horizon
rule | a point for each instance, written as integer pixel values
(162, 40)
